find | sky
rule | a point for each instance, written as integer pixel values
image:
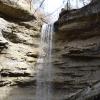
(55, 6)
(52, 5)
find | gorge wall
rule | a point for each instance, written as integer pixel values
(19, 48)
(77, 53)
(75, 57)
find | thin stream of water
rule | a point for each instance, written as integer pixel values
(44, 74)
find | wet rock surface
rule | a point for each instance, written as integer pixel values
(77, 53)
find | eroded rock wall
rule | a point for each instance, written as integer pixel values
(17, 9)
(77, 53)
(19, 49)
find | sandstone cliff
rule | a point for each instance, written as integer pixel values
(77, 53)
(19, 48)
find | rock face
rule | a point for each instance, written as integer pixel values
(77, 53)
(17, 9)
(19, 49)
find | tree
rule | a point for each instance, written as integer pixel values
(83, 1)
(68, 5)
(40, 5)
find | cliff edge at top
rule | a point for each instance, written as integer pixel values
(87, 14)
(17, 9)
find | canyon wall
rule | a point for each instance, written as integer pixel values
(19, 48)
(75, 57)
(77, 53)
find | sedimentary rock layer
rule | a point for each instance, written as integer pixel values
(19, 49)
(77, 52)
(17, 9)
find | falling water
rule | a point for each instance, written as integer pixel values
(44, 74)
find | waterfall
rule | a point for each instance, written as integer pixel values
(44, 65)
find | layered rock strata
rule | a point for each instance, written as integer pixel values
(77, 53)
(17, 9)
(19, 49)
